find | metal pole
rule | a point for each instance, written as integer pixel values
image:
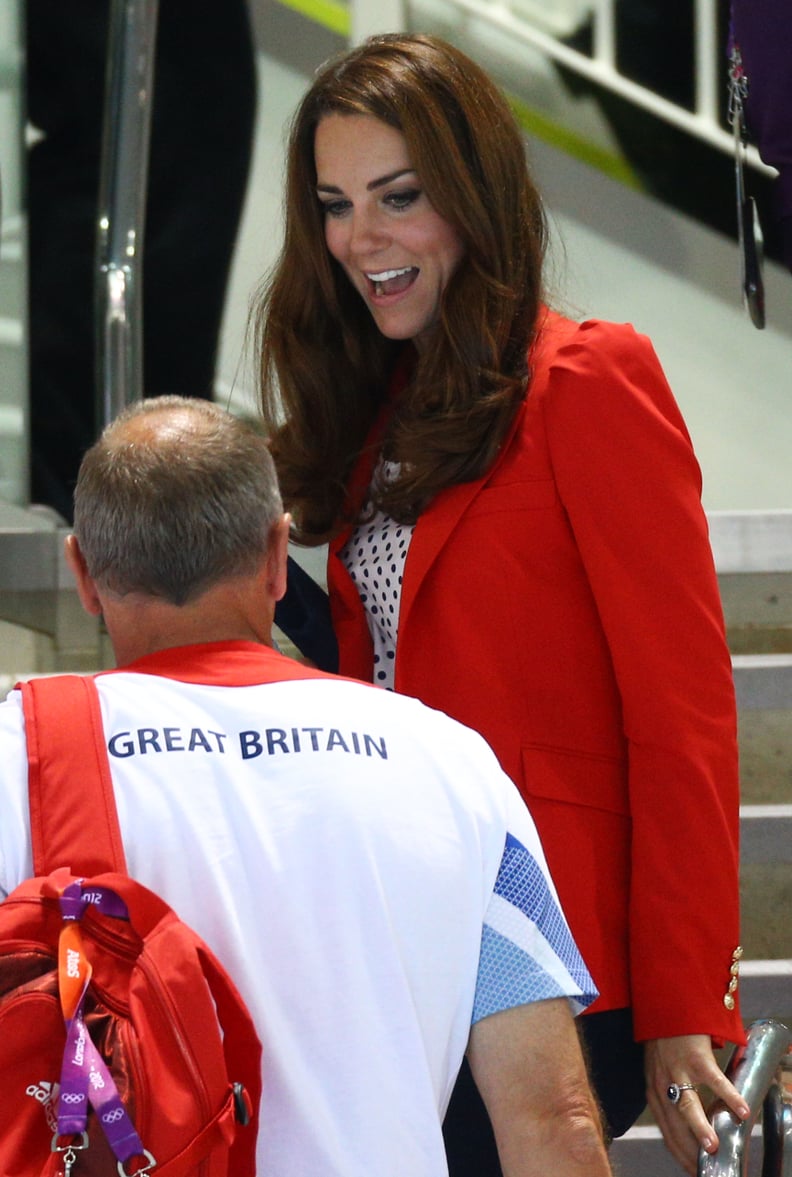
(122, 205)
(753, 1070)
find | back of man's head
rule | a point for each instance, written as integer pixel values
(176, 495)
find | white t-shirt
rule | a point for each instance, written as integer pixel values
(349, 855)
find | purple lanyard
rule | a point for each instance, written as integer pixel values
(85, 1077)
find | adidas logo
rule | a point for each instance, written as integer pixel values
(46, 1094)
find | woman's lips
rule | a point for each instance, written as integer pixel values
(386, 282)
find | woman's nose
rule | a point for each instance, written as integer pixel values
(367, 233)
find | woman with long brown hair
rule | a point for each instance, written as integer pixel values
(516, 537)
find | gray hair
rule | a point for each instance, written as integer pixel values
(176, 495)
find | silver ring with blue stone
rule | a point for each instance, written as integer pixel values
(675, 1090)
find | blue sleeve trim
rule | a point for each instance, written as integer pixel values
(527, 951)
(508, 976)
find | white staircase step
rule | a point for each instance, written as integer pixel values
(765, 834)
(751, 541)
(763, 682)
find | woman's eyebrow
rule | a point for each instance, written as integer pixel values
(370, 187)
(388, 179)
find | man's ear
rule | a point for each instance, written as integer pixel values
(277, 557)
(86, 589)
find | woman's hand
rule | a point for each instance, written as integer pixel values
(686, 1059)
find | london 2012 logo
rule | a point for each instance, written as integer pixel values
(46, 1094)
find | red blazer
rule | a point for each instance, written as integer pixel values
(566, 606)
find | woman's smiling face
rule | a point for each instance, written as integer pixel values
(396, 250)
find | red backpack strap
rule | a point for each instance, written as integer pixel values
(73, 818)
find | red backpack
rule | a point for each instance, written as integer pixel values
(125, 1048)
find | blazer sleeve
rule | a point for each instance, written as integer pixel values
(630, 484)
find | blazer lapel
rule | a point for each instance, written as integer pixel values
(438, 521)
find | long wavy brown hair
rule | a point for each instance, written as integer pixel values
(324, 365)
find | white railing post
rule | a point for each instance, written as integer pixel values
(605, 32)
(710, 60)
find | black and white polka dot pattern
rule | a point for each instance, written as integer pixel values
(374, 556)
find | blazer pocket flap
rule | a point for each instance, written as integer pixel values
(576, 778)
(537, 494)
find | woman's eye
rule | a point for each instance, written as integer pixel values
(403, 199)
(334, 208)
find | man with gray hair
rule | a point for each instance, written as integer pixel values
(359, 863)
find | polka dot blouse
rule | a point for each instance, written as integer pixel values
(374, 556)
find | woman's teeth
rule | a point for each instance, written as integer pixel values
(392, 281)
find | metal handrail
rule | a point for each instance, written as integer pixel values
(755, 1070)
(777, 1120)
(122, 205)
(533, 24)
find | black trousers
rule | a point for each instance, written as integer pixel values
(617, 1074)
